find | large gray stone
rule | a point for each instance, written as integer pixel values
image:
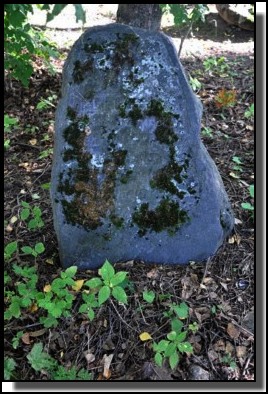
(131, 178)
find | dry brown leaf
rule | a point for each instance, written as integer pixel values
(219, 345)
(33, 308)
(207, 280)
(37, 333)
(233, 331)
(212, 294)
(33, 141)
(241, 351)
(153, 274)
(224, 285)
(26, 338)
(229, 348)
(106, 368)
(90, 357)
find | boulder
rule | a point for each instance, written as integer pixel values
(237, 15)
(131, 179)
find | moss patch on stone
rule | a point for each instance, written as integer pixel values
(166, 216)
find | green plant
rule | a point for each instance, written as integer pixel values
(42, 361)
(16, 339)
(228, 360)
(249, 113)
(185, 16)
(9, 367)
(148, 296)
(10, 249)
(237, 166)
(31, 215)
(46, 103)
(25, 291)
(57, 298)
(45, 153)
(90, 302)
(109, 284)
(207, 132)
(173, 345)
(9, 125)
(216, 64)
(38, 249)
(247, 205)
(195, 83)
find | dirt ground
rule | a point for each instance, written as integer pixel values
(219, 292)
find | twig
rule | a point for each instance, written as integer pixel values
(246, 364)
(183, 38)
(236, 324)
(111, 301)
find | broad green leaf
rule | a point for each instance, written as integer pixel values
(176, 325)
(181, 310)
(45, 186)
(33, 224)
(119, 294)
(56, 11)
(14, 308)
(94, 282)
(106, 271)
(11, 248)
(161, 346)
(49, 321)
(148, 296)
(70, 272)
(39, 359)
(251, 191)
(185, 347)
(158, 359)
(9, 366)
(173, 360)
(247, 205)
(171, 348)
(119, 277)
(80, 13)
(104, 294)
(172, 335)
(39, 248)
(91, 314)
(181, 336)
(236, 160)
(27, 250)
(37, 211)
(25, 204)
(25, 213)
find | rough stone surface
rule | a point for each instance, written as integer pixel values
(131, 178)
(236, 14)
(198, 373)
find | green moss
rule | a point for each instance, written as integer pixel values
(71, 113)
(93, 48)
(135, 114)
(117, 221)
(80, 69)
(119, 157)
(125, 48)
(125, 178)
(166, 216)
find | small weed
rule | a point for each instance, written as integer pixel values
(247, 205)
(46, 153)
(10, 249)
(31, 215)
(196, 85)
(38, 249)
(225, 98)
(228, 360)
(148, 296)
(216, 64)
(9, 368)
(249, 113)
(16, 339)
(109, 284)
(207, 132)
(46, 103)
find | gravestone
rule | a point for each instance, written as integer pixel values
(131, 179)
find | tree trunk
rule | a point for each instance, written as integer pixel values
(146, 16)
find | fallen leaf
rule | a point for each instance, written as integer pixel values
(13, 219)
(9, 228)
(232, 331)
(37, 333)
(145, 336)
(224, 285)
(107, 362)
(26, 338)
(33, 308)
(50, 261)
(33, 141)
(90, 357)
(78, 284)
(219, 345)
(47, 288)
(229, 348)
(241, 351)
(153, 274)
(238, 221)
